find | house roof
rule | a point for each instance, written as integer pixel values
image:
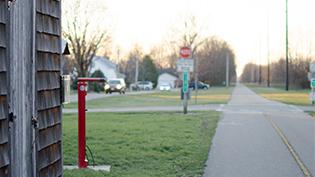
(103, 61)
(169, 75)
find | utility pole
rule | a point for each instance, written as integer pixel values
(196, 77)
(268, 52)
(287, 50)
(259, 70)
(268, 73)
(137, 70)
(227, 80)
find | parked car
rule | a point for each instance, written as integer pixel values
(145, 85)
(134, 87)
(200, 85)
(165, 86)
(115, 85)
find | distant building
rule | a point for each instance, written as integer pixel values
(108, 68)
(167, 78)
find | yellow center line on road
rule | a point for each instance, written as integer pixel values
(294, 154)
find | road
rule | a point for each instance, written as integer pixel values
(93, 95)
(260, 138)
(215, 107)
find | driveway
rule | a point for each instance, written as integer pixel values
(260, 138)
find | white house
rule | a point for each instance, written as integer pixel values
(167, 78)
(108, 68)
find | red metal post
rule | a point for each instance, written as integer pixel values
(82, 91)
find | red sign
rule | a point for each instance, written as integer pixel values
(185, 52)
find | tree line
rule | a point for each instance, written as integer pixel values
(298, 73)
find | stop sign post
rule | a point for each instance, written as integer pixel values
(185, 65)
(185, 52)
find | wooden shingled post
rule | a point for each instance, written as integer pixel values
(30, 104)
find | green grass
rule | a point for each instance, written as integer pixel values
(295, 97)
(215, 95)
(143, 144)
(312, 114)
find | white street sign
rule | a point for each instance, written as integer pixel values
(312, 67)
(185, 65)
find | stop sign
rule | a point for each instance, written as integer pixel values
(185, 52)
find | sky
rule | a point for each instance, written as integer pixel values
(251, 27)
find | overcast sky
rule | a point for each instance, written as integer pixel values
(243, 23)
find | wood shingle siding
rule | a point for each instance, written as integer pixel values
(52, 157)
(48, 43)
(4, 157)
(48, 53)
(48, 99)
(54, 169)
(47, 24)
(3, 15)
(34, 89)
(3, 85)
(4, 171)
(48, 118)
(2, 60)
(48, 80)
(49, 136)
(2, 36)
(3, 107)
(4, 126)
(4, 122)
(49, 7)
(48, 62)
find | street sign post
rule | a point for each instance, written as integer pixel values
(185, 65)
(185, 52)
(185, 82)
(311, 78)
(313, 83)
(185, 90)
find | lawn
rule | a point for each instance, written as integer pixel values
(215, 95)
(312, 114)
(143, 144)
(295, 97)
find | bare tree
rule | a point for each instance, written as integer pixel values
(85, 39)
(130, 67)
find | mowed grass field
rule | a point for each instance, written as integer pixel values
(215, 95)
(142, 144)
(295, 97)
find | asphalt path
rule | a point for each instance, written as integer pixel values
(257, 137)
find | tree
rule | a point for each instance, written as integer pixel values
(129, 66)
(148, 70)
(97, 86)
(85, 38)
(212, 61)
(250, 73)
